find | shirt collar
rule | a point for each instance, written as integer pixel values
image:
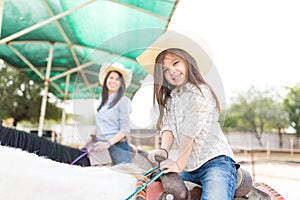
(112, 96)
(177, 91)
(110, 99)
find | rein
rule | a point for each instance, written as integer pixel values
(144, 185)
(85, 152)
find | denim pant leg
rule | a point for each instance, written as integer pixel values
(217, 177)
(120, 153)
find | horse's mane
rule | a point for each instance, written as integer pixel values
(40, 146)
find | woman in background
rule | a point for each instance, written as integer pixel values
(112, 117)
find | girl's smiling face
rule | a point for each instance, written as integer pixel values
(113, 82)
(174, 70)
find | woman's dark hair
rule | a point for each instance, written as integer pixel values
(162, 88)
(120, 92)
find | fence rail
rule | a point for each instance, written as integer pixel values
(237, 140)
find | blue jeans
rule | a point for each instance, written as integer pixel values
(120, 153)
(217, 178)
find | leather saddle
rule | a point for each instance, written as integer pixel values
(187, 190)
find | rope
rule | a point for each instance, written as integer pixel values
(144, 185)
(85, 152)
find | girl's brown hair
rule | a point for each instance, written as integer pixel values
(162, 88)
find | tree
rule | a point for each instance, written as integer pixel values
(256, 110)
(229, 122)
(279, 116)
(292, 105)
(20, 97)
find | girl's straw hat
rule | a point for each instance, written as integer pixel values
(107, 67)
(171, 39)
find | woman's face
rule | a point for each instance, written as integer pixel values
(113, 82)
(174, 70)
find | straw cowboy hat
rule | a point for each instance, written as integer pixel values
(107, 67)
(171, 39)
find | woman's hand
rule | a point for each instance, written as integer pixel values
(100, 146)
(170, 166)
(160, 152)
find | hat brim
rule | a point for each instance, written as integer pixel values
(127, 74)
(172, 39)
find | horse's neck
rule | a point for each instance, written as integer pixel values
(129, 168)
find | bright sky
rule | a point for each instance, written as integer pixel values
(252, 42)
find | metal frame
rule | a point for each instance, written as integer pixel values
(79, 66)
(1, 14)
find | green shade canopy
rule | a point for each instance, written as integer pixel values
(64, 42)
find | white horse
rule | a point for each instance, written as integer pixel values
(27, 176)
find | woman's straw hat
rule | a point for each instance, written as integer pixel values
(107, 67)
(171, 39)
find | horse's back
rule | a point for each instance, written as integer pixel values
(28, 176)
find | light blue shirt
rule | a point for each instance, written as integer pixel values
(109, 121)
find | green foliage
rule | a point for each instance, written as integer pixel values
(256, 111)
(230, 121)
(21, 98)
(292, 105)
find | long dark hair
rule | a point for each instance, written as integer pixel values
(162, 88)
(120, 92)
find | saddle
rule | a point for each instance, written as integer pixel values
(184, 190)
(243, 185)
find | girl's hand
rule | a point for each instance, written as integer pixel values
(159, 152)
(170, 166)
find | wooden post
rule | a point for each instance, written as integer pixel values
(292, 146)
(245, 152)
(268, 150)
(252, 165)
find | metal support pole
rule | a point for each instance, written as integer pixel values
(63, 119)
(46, 88)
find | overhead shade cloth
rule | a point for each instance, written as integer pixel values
(64, 42)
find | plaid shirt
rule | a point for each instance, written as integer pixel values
(194, 114)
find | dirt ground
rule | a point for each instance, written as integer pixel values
(279, 170)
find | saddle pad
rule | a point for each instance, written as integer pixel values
(154, 190)
(269, 190)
